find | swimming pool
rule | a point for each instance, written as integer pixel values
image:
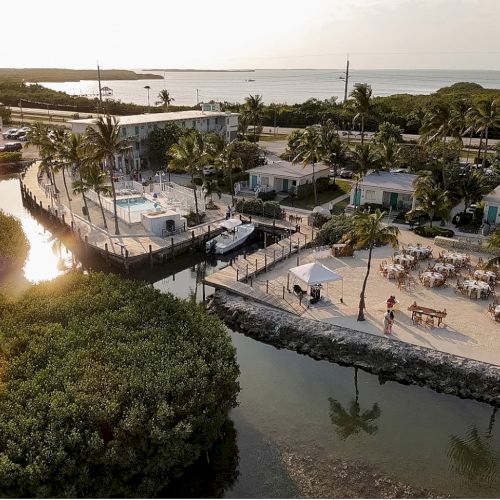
(139, 204)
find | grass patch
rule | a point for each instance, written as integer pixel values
(271, 138)
(307, 203)
(338, 208)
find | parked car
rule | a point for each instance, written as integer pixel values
(209, 170)
(345, 173)
(23, 136)
(12, 146)
(8, 132)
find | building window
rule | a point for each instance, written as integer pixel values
(369, 195)
(194, 124)
(264, 181)
(124, 132)
(136, 130)
(183, 124)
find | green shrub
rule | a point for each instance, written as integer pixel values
(14, 245)
(256, 206)
(431, 232)
(322, 184)
(332, 231)
(267, 196)
(109, 388)
(11, 156)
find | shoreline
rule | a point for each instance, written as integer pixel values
(387, 358)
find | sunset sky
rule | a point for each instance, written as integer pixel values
(406, 34)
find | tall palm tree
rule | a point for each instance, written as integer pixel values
(353, 421)
(80, 186)
(189, 154)
(494, 244)
(96, 179)
(438, 123)
(211, 187)
(164, 98)
(369, 231)
(486, 115)
(334, 151)
(390, 154)
(106, 143)
(227, 161)
(309, 150)
(365, 158)
(253, 109)
(361, 101)
(432, 201)
(472, 187)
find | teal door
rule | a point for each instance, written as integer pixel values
(492, 214)
(285, 184)
(357, 197)
(394, 200)
(253, 181)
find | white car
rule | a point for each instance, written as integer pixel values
(9, 132)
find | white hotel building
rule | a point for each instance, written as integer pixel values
(136, 129)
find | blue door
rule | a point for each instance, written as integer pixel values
(394, 200)
(492, 214)
(357, 197)
(285, 184)
(253, 181)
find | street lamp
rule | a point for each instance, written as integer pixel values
(160, 173)
(148, 88)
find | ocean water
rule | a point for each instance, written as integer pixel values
(283, 86)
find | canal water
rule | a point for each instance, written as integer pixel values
(294, 410)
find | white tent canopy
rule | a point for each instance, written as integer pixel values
(315, 273)
(230, 224)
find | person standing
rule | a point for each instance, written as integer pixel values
(387, 322)
(391, 321)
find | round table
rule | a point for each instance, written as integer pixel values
(404, 259)
(446, 269)
(496, 313)
(488, 276)
(478, 286)
(431, 278)
(394, 270)
(418, 251)
(454, 258)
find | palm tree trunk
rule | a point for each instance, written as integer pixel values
(195, 199)
(314, 185)
(480, 146)
(361, 313)
(102, 210)
(86, 206)
(110, 170)
(470, 143)
(65, 184)
(53, 180)
(254, 132)
(356, 383)
(485, 147)
(492, 421)
(362, 129)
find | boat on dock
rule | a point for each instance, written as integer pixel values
(234, 236)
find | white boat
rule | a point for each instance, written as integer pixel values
(235, 235)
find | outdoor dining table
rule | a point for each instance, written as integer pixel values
(444, 268)
(404, 259)
(431, 278)
(496, 313)
(488, 276)
(417, 310)
(454, 258)
(481, 287)
(418, 251)
(394, 270)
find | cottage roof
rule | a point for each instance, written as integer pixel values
(392, 181)
(286, 169)
(493, 197)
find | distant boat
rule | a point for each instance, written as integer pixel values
(249, 80)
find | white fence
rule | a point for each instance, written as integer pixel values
(124, 213)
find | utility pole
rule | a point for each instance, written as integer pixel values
(197, 97)
(346, 79)
(100, 89)
(148, 88)
(274, 121)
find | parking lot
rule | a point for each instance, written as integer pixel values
(29, 152)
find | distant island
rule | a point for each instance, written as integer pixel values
(191, 70)
(69, 75)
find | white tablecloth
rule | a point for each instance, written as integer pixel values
(479, 286)
(418, 251)
(488, 276)
(404, 259)
(456, 258)
(394, 269)
(431, 277)
(440, 267)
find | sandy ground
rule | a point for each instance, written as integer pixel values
(468, 330)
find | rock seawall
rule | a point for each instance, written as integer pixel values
(389, 359)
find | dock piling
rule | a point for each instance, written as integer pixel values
(150, 257)
(267, 286)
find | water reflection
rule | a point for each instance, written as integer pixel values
(351, 422)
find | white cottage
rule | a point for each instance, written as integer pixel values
(390, 189)
(491, 206)
(281, 175)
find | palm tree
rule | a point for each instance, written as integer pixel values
(107, 143)
(365, 158)
(432, 201)
(368, 231)
(334, 151)
(96, 179)
(353, 422)
(485, 115)
(164, 98)
(473, 457)
(309, 150)
(472, 187)
(438, 123)
(253, 109)
(494, 244)
(361, 97)
(80, 186)
(227, 160)
(390, 153)
(211, 187)
(189, 154)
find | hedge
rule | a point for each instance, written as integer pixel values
(431, 232)
(267, 196)
(10, 156)
(271, 209)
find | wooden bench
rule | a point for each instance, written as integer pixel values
(427, 311)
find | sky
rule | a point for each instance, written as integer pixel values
(233, 34)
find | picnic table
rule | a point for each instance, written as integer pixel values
(417, 310)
